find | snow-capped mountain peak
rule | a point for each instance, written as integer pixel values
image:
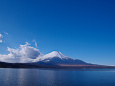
(55, 54)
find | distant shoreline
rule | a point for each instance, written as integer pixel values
(32, 65)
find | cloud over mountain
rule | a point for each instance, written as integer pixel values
(23, 54)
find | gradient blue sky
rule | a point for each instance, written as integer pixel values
(82, 29)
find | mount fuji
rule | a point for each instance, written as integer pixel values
(58, 58)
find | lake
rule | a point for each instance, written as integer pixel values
(56, 77)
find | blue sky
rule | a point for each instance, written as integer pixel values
(82, 29)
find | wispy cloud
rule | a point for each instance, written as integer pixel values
(6, 33)
(23, 54)
(35, 43)
(1, 36)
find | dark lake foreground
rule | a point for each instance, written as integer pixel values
(56, 77)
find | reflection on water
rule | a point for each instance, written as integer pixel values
(40, 77)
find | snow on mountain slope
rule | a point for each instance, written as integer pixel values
(55, 54)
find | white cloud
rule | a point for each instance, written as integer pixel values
(35, 43)
(1, 36)
(23, 54)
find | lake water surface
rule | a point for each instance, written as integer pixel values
(53, 77)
